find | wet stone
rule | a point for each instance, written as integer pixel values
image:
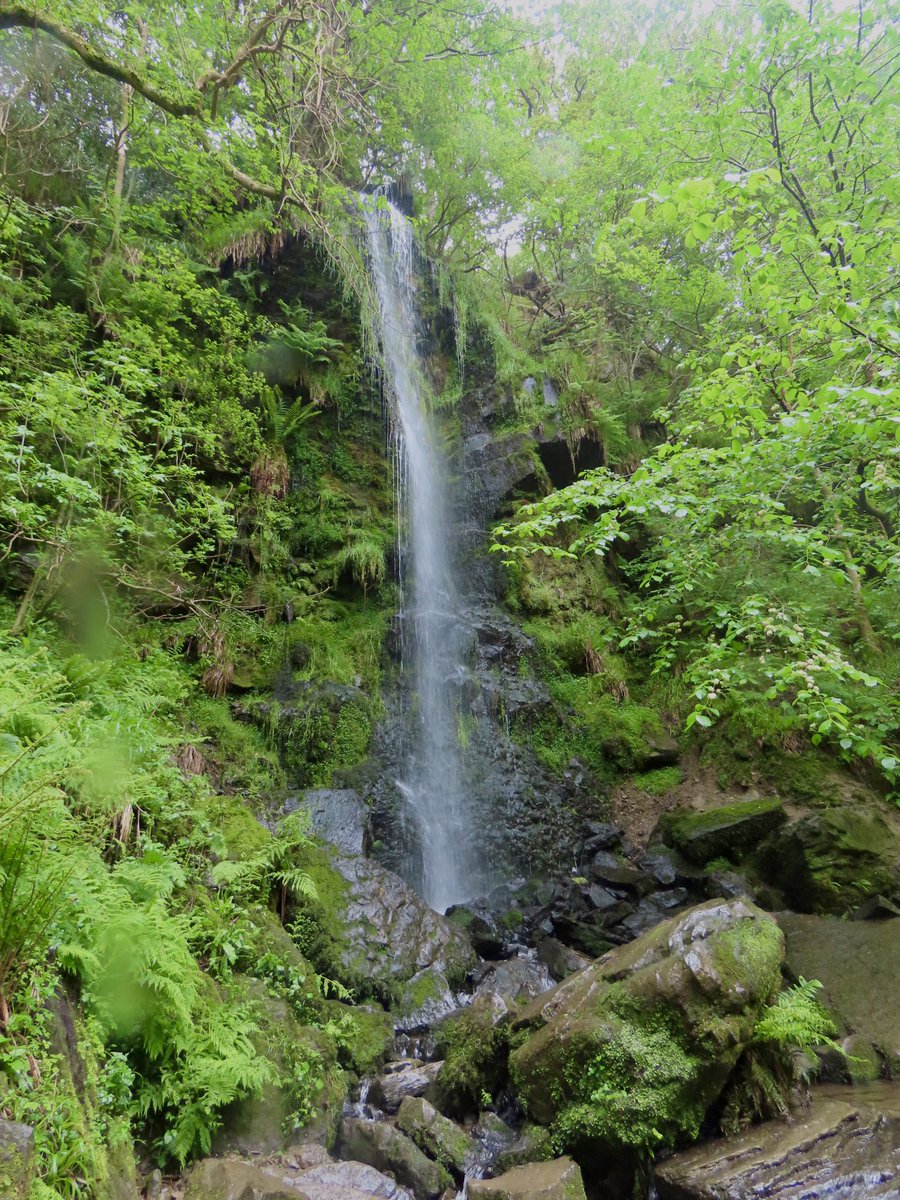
(408, 1077)
(607, 868)
(600, 898)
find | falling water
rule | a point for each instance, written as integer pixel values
(431, 776)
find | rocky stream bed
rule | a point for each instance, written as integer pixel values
(543, 1034)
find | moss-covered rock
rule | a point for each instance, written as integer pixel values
(534, 1144)
(373, 933)
(730, 830)
(387, 1148)
(16, 1159)
(424, 1000)
(858, 965)
(474, 1048)
(634, 1050)
(440, 1138)
(559, 1179)
(364, 1035)
(832, 860)
(307, 1088)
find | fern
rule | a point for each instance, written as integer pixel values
(271, 867)
(796, 1019)
(770, 1069)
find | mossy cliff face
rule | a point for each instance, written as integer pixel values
(634, 1050)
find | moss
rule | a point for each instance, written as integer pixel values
(320, 931)
(474, 1051)
(241, 833)
(237, 757)
(513, 919)
(658, 782)
(331, 730)
(732, 830)
(606, 734)
(426, 986)
(748, 950)
(364, 1036)
(639, 1090)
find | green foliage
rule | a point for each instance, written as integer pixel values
(796, 1019)
(273, 866)
(660, 781)
(636, 1092)
(770, 1068)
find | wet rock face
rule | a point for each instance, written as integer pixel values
(525, 818)
(386, 934)
(846, 1147)
(407, 1077)
(858, 963)
(337, 815)
(660, 1022)
(556, 1180)
(385, 1147)
(438, 1137)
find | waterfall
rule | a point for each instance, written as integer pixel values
(430, 777)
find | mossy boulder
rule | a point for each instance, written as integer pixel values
(373, 933)
(634, 1050)
(559, 1179)
(306, 1090)
(16, 1159)
(364, 1035)
(858, 965)
(474, 1046)
(729, 830)
(834, 859)
(424, 1000)
(534, 1144)
(441, 1139)
(387, 1148)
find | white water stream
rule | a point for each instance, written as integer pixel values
(430, 773)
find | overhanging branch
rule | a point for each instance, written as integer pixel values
(21, 16)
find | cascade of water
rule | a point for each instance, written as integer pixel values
(431, 782)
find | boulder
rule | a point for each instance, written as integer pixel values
(610, 869)
(561, 961)
(439, 1137)
(375, 933)
(729, 831)
(347, 1181)
(533, 1144)
(383, 1146)
(473, 1045)
(16, 1159)
(635, 1048)
(257, 1123)
(833, 860)
(493, 1136)
(404, 1077)
(338, 816)
(516, 979)
(234, 1179)
(424, 1000)
(559, 1179)
(845, 1145)
(858, 963)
